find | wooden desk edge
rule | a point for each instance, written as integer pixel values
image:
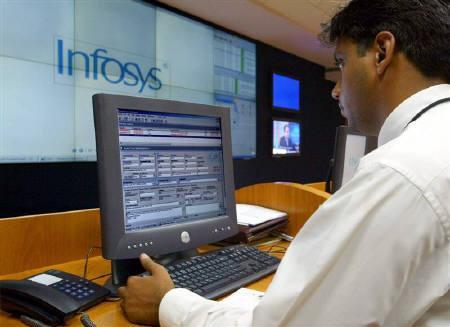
(106, 313)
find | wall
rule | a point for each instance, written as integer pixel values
(319, 116)
(43, 188)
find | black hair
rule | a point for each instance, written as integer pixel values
(421, 29)
(284, 128)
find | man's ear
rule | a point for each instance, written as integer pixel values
(384, 46)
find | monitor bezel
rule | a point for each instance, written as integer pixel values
(288, 120)
(164, 239)
(284, 109)
(342, 132)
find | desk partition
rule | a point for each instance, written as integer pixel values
(36, 241)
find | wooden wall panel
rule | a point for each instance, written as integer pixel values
(318, 186)
(299, 201)
(41, 240)
(35, 241)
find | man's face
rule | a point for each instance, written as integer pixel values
(356, 87)
(286, 132)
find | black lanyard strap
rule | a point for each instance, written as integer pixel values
(424, 110)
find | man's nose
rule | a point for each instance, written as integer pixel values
(336, 91)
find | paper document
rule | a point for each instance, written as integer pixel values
(250, 215)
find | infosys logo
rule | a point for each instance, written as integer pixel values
(98, 64)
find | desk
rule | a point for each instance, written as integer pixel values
(106, 313)
(32, 244)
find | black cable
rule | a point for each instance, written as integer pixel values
(104, 275)
(32, 322)
(87, 258)
(431, 106)
(86, 320)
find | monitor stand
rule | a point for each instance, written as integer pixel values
(124, 268)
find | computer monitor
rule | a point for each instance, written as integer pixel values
(165, 177)
(285, 92)
(285, 138)
(350, 147)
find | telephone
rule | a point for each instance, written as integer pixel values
(51, 297)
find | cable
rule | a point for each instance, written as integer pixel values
(87, 258)
(282, 235)
(284, 249)
(32, 322)
(86, 320)
(104, 275)
(269, 245)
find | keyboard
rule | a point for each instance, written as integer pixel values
(220, 272)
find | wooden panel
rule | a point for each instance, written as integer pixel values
(299, 201)
(41, 240)
(318, 186)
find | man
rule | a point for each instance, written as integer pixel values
(377, 252)
(285, 140)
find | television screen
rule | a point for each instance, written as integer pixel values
(286, 138)
(285, 92)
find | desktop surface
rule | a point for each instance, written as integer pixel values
(107, 313)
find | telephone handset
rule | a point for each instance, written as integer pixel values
(51, 297)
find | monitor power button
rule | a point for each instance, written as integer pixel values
(185, 237)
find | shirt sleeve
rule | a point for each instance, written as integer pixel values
(181, 307)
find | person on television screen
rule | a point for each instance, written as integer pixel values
(377, 252)
(285, 140)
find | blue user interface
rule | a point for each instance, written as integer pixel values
(286, 92)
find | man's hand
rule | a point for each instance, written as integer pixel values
(142, 295)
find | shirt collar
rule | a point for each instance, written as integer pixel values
(398, 119)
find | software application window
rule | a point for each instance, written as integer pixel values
(172, 168)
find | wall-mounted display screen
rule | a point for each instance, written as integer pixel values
(285, 92)
(49, 74)
(286, 138)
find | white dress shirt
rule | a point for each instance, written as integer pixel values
(375, 254)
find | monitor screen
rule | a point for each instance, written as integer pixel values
(122, 47)
(285, 92)
(286, 138)
(350, 147)
(172, 168)
(165, 175)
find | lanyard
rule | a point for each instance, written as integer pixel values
(424, 110)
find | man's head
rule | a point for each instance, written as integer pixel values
(286, 130)
(387, 50)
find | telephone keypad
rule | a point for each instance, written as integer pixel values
(75, 289)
